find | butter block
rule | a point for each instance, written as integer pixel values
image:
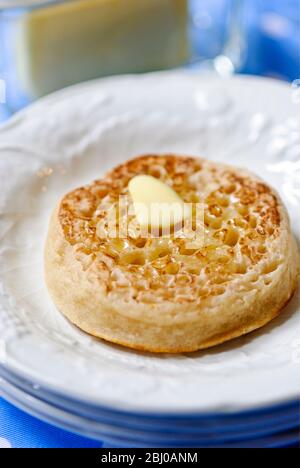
(77, 40)
(157, 206)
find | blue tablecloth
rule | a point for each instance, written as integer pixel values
(19, 430)
(274, 50)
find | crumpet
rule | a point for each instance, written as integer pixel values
(165, 293)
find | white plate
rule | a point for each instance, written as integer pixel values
(122, 436)
(81, 132)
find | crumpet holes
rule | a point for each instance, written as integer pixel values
(172, 268)
(133, 258)
(229, 189)
(232, 237)
(270, 267)
(140, 243)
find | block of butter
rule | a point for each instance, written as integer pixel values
(71, 41)
(157, 206)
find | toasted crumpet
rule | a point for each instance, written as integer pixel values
(159, 294)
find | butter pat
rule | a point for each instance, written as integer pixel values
(76, 40)
(157, 206)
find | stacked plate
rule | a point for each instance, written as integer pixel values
(245, 393)
(272, 427)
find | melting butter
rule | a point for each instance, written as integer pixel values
(157, 206)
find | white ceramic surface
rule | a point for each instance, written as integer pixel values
(74, 136)
(122, 435)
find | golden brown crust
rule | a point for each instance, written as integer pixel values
(157, 294)
(217, 340)
(79, 215)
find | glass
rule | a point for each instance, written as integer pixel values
(217, 34)
(46, 45)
